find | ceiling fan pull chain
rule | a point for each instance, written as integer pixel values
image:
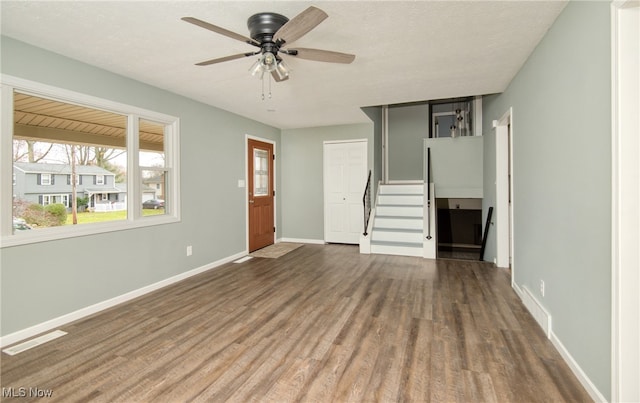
(269, 86)
(262, 87)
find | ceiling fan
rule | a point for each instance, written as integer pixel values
(272, 33)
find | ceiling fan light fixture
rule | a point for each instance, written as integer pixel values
(256, 69)
(282, 70)
(268, 61)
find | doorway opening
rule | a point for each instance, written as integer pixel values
(459, 228)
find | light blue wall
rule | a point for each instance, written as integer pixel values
(561, 101)
(302, 178)
(408, 127)
(456, 166)
(375, 114)
(45, 280)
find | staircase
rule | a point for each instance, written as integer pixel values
(398, 221)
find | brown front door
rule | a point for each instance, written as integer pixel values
(261, 193)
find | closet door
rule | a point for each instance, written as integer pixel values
(345, 177)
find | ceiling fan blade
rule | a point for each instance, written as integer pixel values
(321, 55)
(300, 25)
(220, 30)
(225, 59)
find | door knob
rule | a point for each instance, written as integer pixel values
(250, 201)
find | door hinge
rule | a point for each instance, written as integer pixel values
(274, 229)
(274, 192)
(274, 157)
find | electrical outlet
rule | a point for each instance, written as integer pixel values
(542, 287)
(189, 250)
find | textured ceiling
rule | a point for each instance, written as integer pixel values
(406, 51)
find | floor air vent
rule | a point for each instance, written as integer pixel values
(18, 348)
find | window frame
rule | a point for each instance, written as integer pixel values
(100, 180)
(8, 238)
(49, 180)
(64, 199)
(78, 179)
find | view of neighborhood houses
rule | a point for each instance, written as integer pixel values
(43, 187)
(70, 165)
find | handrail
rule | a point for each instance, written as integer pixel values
(486, 232)
(366, 202)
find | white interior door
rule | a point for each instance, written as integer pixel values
(345, 177)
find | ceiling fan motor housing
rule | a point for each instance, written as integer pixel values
(263, 26)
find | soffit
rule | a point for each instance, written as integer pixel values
(44, 119)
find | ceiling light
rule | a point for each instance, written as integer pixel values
(282, 70)
(256, 70)
(268, 61)
(272, 65)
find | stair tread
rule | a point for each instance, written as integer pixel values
(408, 230)
(400, 217)
(398, 205)
(402, 194)
(396, 243)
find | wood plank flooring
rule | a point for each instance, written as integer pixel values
(320, 324)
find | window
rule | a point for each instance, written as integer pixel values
(45, 179)
(152, 160)
(78, 179)
(260, 172)
(56, 132)
(55, 199)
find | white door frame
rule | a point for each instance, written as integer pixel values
(504, 191)
(625, 231)
(245, 184)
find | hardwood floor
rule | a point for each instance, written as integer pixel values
(320, 324)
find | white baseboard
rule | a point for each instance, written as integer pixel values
(543, 318)
(100, 306)
(536, 309)
(577, 371)
(302, 240)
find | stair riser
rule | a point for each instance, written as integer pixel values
(413, 200)
(408, 211)
(399, 207)
(396, 236)
(402, 189)
(398, 223)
